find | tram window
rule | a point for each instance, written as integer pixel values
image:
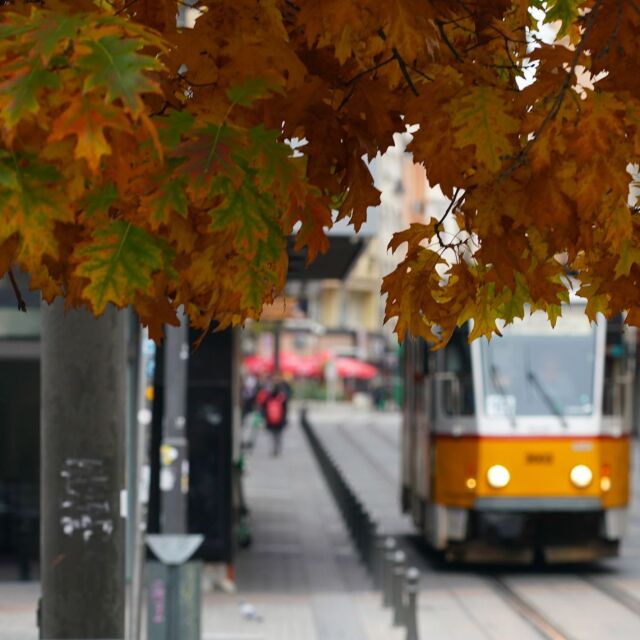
(536, 370)
(427, 359)
(615, 367)
(458, 391)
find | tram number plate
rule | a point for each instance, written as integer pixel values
(539, 458)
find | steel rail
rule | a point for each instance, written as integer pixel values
(618, 594)
(529, 613)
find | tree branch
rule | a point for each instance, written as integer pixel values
(125, 7)
(590, 19)
(370, 70)
(456, 201)
(405, 72)
(22, 305)
(401, 63)
(451, 48)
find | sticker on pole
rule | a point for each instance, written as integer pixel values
(168, 454)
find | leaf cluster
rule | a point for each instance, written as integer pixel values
(146, 151)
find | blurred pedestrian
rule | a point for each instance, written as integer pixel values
(255, 417)
(275, 416)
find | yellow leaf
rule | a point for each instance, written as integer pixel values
(481, 119)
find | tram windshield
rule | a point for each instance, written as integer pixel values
(536, 370)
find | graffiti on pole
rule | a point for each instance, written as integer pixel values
(85, 504)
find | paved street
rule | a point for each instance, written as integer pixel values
(584, 603)
(301, 578)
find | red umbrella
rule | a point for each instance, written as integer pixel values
(311, 366)
(305, 366)
(353, 368)
(257, 365)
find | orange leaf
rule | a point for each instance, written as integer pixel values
(87, 118)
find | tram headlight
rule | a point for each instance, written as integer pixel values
(498, 476)
(581, 476)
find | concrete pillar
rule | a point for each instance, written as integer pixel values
(83, 402)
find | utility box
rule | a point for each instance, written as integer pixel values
(173, 587)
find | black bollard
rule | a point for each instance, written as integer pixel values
(370, 541)
(411, 618)
(378, 574)
(399, 559)
(387, 571)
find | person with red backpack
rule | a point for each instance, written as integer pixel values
(275, 415)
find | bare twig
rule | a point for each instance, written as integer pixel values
(422, 74)
(375, 67)
(401, 63)
(456, 201)
(22, 305)
(559, 99)
(613, 36)
(353, 81)
(125, 7)
(444, 36)
(405, 72)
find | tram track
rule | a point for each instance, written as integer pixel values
(617, 594)
(383, 436)
(543, 626)
(529, 613)
(371, 460)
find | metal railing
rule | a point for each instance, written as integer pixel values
(385, 562)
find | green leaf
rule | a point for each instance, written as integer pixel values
(251, 90)
(249, 212)
(9, 30)
(564, 10)
(26, 79)
(258, 278)
(120, 261)
(8, 177)
(171, 196)
(173, 126)
(31, 202)
(513, 305)
(99, 200)
(205, 156)
(115, 65)
(629, 255)
(480, 119)
(554, 311)
(271, 157)
(55, 33)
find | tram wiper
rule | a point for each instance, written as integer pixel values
(497, 385)
(548, 400)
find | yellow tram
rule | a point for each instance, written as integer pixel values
(520, 445)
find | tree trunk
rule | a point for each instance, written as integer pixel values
(82, 462)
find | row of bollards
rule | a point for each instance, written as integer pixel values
(399, 585)
(384, 561)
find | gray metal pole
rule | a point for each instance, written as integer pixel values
(174, 453)
(139, 481)
(83, 407)
(277, 335)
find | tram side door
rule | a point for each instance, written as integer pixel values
(408, 425)
(420, 467)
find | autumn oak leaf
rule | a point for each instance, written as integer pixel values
(481, 120)
(114, 64)
(87, 119)
(21, 84)
(119, 262)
